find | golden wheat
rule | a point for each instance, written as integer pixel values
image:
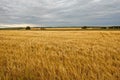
(59, 55)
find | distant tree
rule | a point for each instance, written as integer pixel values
(103, 27)
(84, 27)
(42, 28)
(118, 27)
(114, 27)
(27, 28)
(111, 27)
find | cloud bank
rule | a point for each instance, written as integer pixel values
(60, 12)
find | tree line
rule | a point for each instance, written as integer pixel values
(84, 27)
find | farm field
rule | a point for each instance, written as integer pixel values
(59, 55)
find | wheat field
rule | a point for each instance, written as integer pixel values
(59, 55)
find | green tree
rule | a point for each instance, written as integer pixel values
(28, 28)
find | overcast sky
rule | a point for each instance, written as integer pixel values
(59, 12)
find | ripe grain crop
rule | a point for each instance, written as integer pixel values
(59, 55)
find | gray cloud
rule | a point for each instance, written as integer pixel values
(60, 12)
